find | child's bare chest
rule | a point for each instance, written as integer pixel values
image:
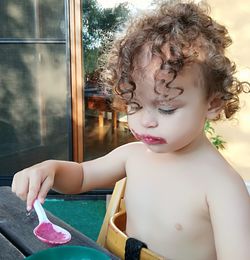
(169, 212)
(174, 206)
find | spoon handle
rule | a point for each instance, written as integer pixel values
(40, 212)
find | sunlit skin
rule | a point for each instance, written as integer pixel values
(182, 198)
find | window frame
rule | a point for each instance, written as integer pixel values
(76, 77)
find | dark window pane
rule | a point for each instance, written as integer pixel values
(33, 98)
(17, 19)
(51, 19)
(32, 19)
(35, 114)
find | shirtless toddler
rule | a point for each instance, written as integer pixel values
(183, 200)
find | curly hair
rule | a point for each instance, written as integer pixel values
(189, 32)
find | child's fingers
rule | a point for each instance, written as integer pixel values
(46, 186)
(13, 185)
(34, 187)
(20, 187)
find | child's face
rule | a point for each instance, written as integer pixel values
(168, 125)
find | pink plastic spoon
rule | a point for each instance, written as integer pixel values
(47, 231)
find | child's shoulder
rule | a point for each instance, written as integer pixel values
(224, 175)
(222, 179)
(217, 173)
(218, 168)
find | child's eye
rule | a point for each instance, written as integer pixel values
(132, 108)
(167, 111)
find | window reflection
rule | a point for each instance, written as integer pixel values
(105, 128)
(35, 106)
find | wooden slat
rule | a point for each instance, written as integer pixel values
(75, 19)
(113, 207)
(8, 251)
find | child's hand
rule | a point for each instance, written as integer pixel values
(34, 182)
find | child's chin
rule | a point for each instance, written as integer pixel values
(158, 148)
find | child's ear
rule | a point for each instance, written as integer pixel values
(215, 105)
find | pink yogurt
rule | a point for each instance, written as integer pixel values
(47, 233)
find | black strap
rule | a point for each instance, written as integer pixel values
(133, 248)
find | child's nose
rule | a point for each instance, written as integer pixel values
(148, 119)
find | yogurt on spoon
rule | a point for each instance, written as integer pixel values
(47, 231)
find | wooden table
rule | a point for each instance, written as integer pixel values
(16, 229)
(100, 104)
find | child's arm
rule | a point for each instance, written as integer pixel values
(70, 177)
(229, 206)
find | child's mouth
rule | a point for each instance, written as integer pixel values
(148, 139)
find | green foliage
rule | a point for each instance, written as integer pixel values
(90, 61)
(215, 139)
(99, 27)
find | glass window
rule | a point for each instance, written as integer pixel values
(35, 95)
